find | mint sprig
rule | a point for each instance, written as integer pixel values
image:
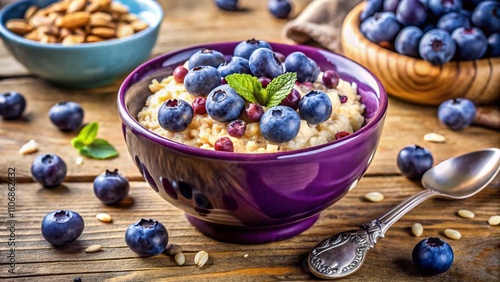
(87, 143)
(250, 88)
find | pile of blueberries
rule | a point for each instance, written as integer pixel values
(204, 78)
(435, 30)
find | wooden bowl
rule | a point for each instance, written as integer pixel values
(418, 81)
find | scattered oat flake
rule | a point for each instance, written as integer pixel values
(93, 248)
(417, 229)
(79, 161)
(494, 220)
(466, 214)
(29, 147)
(245, 255)
(452, 234)
(104, 217)
(434, 137)
(180, 258)
(201, 258)
(374, 197)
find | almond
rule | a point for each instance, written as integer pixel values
(100, 19)
(73, 39)
(139, 25)
(93, 7)
(93, 38)
(74, 20)
(124, 30)
(18, 26)
(118, 7)
(75, 5)
(30, 12)
(104, 32)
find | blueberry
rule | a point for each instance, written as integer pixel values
(111, 187)
(315, 107)
(306, 68)
(264, 62)
(48, 170)
(279, 8)
(486, 16)
(432, 256)
(254, 112)
(245, 48)
(175, 115)
(330, 79)
(437, 47)
(407, 41)
(206, 57)
(234, 65)
(471, 43)
(494, 45)
(411, 12)
(199, 81)
(450, 21)
(236, 128)
(12, 105)
(371, 7)
(224, 144)
(227, 5)
(457, 113)
(381, 27)
(62, 227)
(280, 124)
(67, 116)
(440, 7)
(390, 5)
(414, 160)
(147, 237)
(224, 104)
(292, 100)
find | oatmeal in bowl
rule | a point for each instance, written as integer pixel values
(252, 155)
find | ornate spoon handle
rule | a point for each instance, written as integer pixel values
(343, 254)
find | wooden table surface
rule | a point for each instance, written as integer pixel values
(192, 22)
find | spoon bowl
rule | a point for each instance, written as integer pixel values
(457, 178)
(465, 175)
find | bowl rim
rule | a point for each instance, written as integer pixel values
(138, 129)
(7, 34)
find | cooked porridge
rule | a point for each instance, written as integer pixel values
(203, 131)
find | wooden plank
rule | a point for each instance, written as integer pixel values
(475, 258)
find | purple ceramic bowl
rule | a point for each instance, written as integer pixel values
(251, 198)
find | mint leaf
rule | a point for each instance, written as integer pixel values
(99, 149)
(247, 86)
(86, 136)
(279, 88)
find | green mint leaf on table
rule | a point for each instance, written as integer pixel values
(88, 145)
(99, 149)
(248, 86)
(279, 88)
(86, 136)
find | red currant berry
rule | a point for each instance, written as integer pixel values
(199, 105)
(179, 74)
(224, 144)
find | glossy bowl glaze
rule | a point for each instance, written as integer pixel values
(418, 81)
(84, 65)
(251, 198)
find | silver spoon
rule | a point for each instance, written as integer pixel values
(457, 178)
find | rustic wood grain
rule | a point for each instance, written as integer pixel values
(419, 81)
(474, 259)
(195, 22)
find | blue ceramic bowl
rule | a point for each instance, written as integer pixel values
(251, 198)
(84, 65)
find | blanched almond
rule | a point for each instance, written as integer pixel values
(118, 7)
